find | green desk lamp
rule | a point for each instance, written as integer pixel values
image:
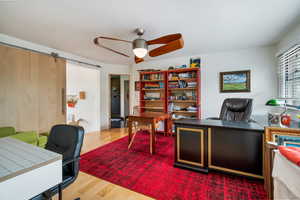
(277, 103)
(283, 103)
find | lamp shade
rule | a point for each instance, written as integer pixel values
(275, 102)
(140, 47)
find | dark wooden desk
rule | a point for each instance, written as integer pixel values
(232, 147)
(149, 118)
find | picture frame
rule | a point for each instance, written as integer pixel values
(235, 81)
(195, 62)
(137, 85)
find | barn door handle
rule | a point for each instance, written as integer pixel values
(63, 101)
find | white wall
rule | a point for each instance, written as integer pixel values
(291, 38)
(261, 61)
(81, 78)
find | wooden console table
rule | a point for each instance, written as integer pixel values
(150, 118)
(270, 133)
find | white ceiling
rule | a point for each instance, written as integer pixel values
(206, 25)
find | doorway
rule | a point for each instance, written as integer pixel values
(119, 99)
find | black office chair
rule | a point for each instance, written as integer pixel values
(236, 109)
(66, 140)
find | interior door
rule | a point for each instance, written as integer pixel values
(32, 89)
(18, 89)
(52, 91)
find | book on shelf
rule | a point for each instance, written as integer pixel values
(157, 76)
(152, 96)
(183, 84)
(181, 75)
(173, 108)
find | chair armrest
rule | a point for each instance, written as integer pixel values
(65, 162)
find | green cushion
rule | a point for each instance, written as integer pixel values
(45, 134)
(42, 141)
(28, 137)
(7, 131)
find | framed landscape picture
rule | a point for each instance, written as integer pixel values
(236, 81)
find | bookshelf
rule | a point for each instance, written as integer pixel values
(183, 93)
(174, 91)
(153, 91)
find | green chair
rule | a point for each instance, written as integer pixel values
(30, 137)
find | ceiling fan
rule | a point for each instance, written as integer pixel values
(140, 46)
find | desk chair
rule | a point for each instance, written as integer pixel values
(236, 109)
(66, 140)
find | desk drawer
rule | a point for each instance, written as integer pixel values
(190, 147)
(236, 151)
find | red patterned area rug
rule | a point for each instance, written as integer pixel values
(155, 176)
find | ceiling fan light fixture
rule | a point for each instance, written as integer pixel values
(140, 47)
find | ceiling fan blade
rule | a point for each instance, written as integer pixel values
(165, 39)
(171, 45)
(115, 39)
(96, 42)
(138, 60)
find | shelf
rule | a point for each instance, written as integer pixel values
(154, 108)
(158, 80)
(183, 101)
(152, 100)
(184, 79)
(185, 112)
(151, 72)
(183, 70)
(156, 89)
(183, 88)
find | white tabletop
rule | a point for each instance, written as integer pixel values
(17, 157)
(27, 170)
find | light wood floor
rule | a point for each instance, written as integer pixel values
(92, 188)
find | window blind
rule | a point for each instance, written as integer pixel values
(289, 73)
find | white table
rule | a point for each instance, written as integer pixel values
(27, 170)
(286, 177)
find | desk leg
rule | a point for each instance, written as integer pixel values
(166, 128)
(152, 138)
(59, 192)
(129, 131)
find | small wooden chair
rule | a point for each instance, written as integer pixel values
(139, 126)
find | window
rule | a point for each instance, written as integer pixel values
(289, 73)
